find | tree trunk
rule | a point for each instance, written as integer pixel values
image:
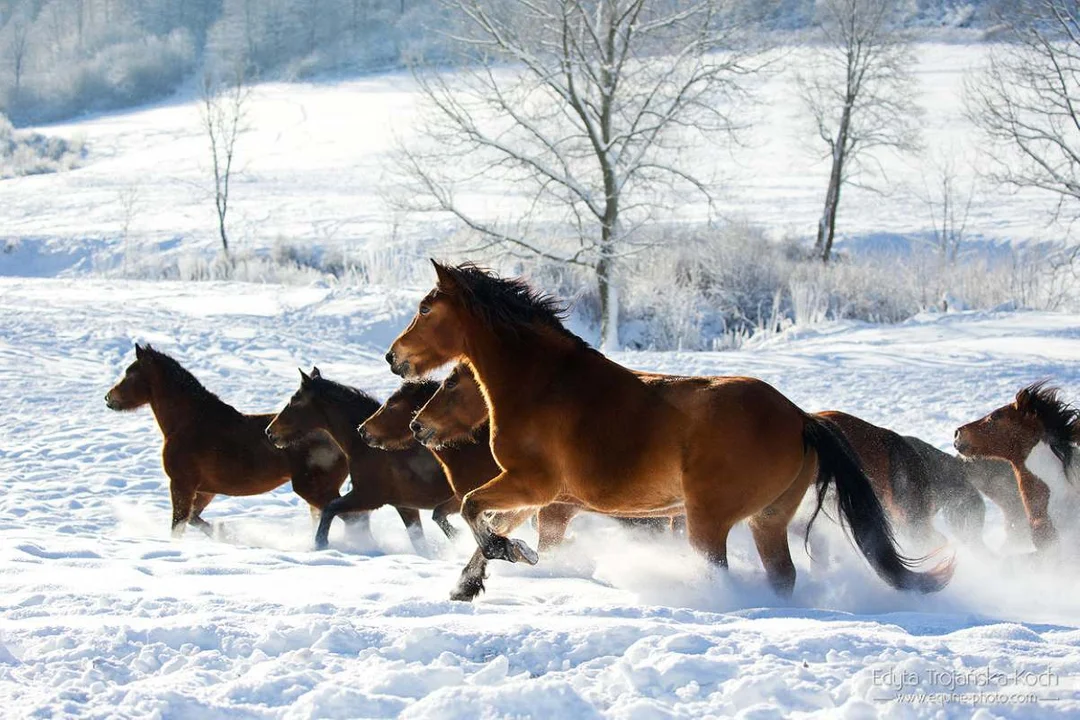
(609, 300)
(827, 224)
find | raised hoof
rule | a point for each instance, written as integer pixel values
(520, 552)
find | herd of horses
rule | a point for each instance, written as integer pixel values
(532, 423)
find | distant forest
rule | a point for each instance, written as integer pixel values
(62, 58)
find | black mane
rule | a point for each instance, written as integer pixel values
(180, 377)
(508, 304)
(354, 399)
(1059, 419)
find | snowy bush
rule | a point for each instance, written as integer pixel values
(120, 74)
(27, 153)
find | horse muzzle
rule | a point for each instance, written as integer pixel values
(274, 439)
(961, 444)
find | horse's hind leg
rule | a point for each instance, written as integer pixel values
(441, 514)
(553, 521)
(201, 501)
(411, 518)
(358, 526)
(183, 502)
(338, 506)
(965, 514)
(770, 530)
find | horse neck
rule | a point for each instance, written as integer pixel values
(342, 419)
(174, 405)
(509, 367)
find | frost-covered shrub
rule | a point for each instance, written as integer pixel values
(120, 74)
(29, 153)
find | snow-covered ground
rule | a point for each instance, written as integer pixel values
(102, 615)
(316, 166)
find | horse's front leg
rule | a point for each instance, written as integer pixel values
(510, 490)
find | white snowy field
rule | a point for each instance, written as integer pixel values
(103, 615)
(316, 165)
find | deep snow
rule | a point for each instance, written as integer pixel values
(104, 615)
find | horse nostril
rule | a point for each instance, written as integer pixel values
(416, 427)
(390, 356)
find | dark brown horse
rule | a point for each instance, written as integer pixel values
(950, 478)
(410, 479)
(213, 449)
(568, 424)
(466, 459)
(1037, 434)
(903, 483)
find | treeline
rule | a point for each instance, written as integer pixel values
(60, 58)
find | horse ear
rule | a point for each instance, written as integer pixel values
(315, 372)
(139, 352)
(305, 379)
(446, 281)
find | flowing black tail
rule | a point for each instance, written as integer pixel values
(861, 511)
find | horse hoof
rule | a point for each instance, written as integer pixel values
(467, 590)
(462, 596)
(520, 552)
(321, 544)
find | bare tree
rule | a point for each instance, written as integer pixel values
(859, 90)
(222, 110)
(128, 199)
(587, 112)
(16, 27)
(948, 202)
(1025, 101)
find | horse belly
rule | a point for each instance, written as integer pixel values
(238, 472)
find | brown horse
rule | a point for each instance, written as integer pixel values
(467, 465)
(965, 514)
(1036, 434)
(410, 479)
(453, 424)
(568, 424)
(466, 459)
(213, 449)
(903, 483)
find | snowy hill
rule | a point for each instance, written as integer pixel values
(104, 615)
(317, 169)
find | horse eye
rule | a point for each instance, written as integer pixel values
(451, 383)
(424, 309)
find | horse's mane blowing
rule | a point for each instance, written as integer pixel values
(509, 304)
(1060, 419)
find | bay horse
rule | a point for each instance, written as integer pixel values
(1037, 434)
(453, 424)
(569, 424)
(994, 479)
(210, 448)
(410, 479)
(903, 483)
(466, 460)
